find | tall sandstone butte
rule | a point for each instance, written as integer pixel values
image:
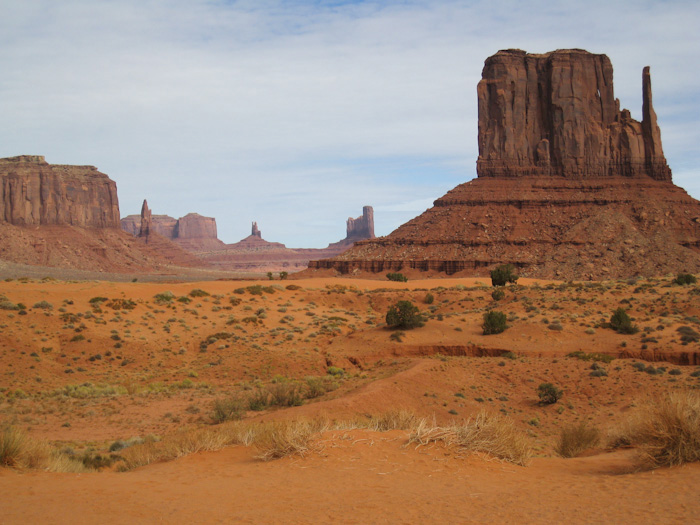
(34, 193)
(569, 186)
(556, 114)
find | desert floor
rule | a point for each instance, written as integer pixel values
(89, 364)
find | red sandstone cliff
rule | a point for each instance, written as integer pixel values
(33, 192)
(568, 185)
(556, 114)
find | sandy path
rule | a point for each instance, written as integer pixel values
(358, 477)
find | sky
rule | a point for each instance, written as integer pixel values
(296, 114)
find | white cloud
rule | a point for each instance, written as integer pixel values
(295, 114)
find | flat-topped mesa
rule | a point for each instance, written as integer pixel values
(556, 114)
(362, 227)
(196, 226)
(33, 192)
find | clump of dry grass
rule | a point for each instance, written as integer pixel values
(279, 439)
(184, 442)
(666, 430)
(17, 450)
(574, 439)
(398, 419)
(489, 433)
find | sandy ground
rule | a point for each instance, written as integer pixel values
(163, 371)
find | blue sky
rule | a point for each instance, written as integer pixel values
(296, 114)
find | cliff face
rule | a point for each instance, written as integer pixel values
(33, 192)
(191, 226)
(556, 114)
(362, 227)
(568, 186)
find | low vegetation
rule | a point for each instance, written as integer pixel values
(488, 433)
(404, 315)
(503, 274)
(395, 276)
(494, 322)
(622, 323)
(548, 393)
(574, 439)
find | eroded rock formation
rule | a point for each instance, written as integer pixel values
(362, 227)
(33, 193)
(193, 231)
(568, 185)
(556, 114)
(145, 228)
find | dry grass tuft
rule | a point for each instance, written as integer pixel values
(667, 430)
(574, 439)
(285, 438)
(17, 450)
(392, 420)
(489, 433)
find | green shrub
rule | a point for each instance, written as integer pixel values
(44, 305)
(228, 409)
(98, 300)
(285, 393)
(164, 297)
(494, 322)
(394, 276)
(429, 298)
(593, 356)
(621, 322)
(283, 275)
(503, 275)
(498, 294)
(335, 371)
(404, 315)
(685, 278)
(197, 292)
(548, 393)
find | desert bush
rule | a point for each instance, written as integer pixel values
(593, 356)
(404, 315)
(228, 409)
(503, 274)
(335, 371)
(666, 429)
(284, 275)
(621, 322)
(488, 433)
(397, 336)
(293, 287)
(429, 298)
(574, 439)
(43, 305)
(498, 294)
(688, 334)
(198, 292)
(494, 322)
(548, 393)
(17, 450)
(285, 393)
(317, 386)
(259, 400)
(164, 298)
(8, 305)
(685, 278)
(395, 276)
(121, 304)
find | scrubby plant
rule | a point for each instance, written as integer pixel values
(487, 433)
(503, 274)
(685, 278)
(164, 298)
(666, 429)
(228, 409)
(283, 275)
(429, 298)
(498, 294)
(494, 322)
(395, 276)
(197, 292)
(404, 315)
(397, 336)
(43, 305)
(335, 371)
(574, 439)
(621, 322)
(548, 393)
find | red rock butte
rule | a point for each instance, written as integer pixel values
(569, 186)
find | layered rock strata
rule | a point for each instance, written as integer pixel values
(34, 193)
(568, 185)
(556, 114)
(192, 232)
